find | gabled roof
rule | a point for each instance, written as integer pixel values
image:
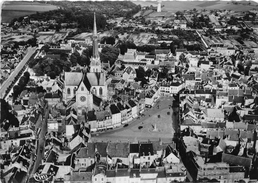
(146, 149)
(87, 152)
(91, 116)
(73, 78)
(118, 149)
(86, 82)
(120, 106)
(96, 79)
(236, 160)
(114, 109)
(162, 51)
(134, 148)
(96, 100)
(131, 103)
(81, 176)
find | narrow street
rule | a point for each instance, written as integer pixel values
(40, 149)
(18, 68)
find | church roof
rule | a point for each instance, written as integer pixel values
(96, 79)
(72, 78)
(96, 100)
(86, 82)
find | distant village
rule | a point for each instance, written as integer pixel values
(79, 85)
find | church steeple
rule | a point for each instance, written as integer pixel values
(95, 39)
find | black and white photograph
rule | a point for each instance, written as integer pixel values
(129, 91)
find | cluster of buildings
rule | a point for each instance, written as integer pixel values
(218, 115)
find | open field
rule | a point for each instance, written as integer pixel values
(16, 9)
(174, 6)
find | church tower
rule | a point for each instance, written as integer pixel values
(95, 63)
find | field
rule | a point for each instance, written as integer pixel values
(16, 9)
(174, 6)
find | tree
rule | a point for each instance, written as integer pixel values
(163, 45)
(172, 48)
(109, 54)
(123, 48)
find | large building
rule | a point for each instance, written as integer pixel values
(88, 89)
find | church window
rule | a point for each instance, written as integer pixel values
(82, 88)
(93, 70)
(94, 91)
(74, 90)
(68, 91)
(100, 91)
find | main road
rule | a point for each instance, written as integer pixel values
(6, 84)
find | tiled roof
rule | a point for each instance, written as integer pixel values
(91, 116)
(131, 103)
(81, 176)
(145, 149)
(86, 152)
(96, 100)
(73, 78)
(101, 148)
(135, 173)
(134, 148)
(118, 149)
(96, 79)
(122, 173)
(114, 109)
(236, 160)
(120, 106)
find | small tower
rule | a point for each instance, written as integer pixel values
(159, 6)
(95, 63)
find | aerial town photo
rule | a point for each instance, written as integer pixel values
(129, 92)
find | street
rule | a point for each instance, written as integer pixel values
(19, 67)
(41, 141)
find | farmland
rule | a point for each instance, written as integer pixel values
(11, 10)
(174, 6)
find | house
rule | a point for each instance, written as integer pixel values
(118, 151)
(215, 114)
(162, 54)
(85, 156)
(149, 98)
(205, 65)
(134, 108)
(92, 119)
(148, 175)
(123, 112)
(170, 156)
(129, 74)
(116, 115)
(176, 172)
(52, 98)
(104, 120)
(78, 176)
(135, 176)
(99, 172)
(146, 154)
(175, 87)
(90, 154)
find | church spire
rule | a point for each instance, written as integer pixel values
(95, 39)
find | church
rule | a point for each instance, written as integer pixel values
(88, 89)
